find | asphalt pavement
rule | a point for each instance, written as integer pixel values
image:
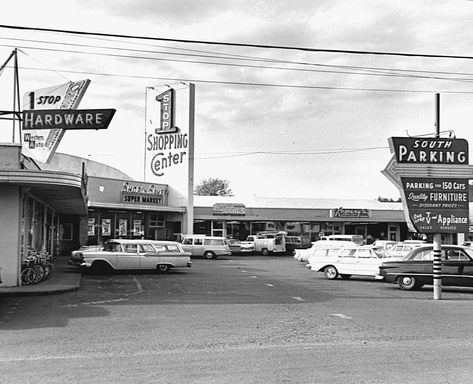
(65, 278)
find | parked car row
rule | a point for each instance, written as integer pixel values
(126, 254)
(410, 271)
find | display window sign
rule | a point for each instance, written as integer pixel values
(137, 228)
(91, 227)
(106, 227)
(122, 227)
(350, 213)
(436, 205)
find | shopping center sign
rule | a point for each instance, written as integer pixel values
(432, 175)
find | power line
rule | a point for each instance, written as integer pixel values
(293, 153)
(388, 72)
(247, 45)
(269, 85)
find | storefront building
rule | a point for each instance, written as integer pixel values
(130, 210)
(308, 218)
(40, 211)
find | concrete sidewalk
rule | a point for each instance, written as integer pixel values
(65, 278)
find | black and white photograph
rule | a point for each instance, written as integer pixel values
(236, 191)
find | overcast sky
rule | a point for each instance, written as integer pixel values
(273, 122)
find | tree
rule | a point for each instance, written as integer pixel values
(388, 200)
(213, 187)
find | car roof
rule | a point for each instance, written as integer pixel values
(425, 247)
(142, 241)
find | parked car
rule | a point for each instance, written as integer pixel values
(295, 242)
(384, 244)
(416, 268)
(357, 239)
(209, 247)
(402, 249)
(123, 254)
(237, 247)
(304, 254)
(345, 262)
(85, 248)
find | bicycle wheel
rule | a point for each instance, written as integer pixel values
(39, 273)
(27, 275)
(48, 270)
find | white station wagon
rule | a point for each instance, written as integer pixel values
(133, 255)
(348, 261)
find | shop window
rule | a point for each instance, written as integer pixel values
(156, 221)
(66, 231)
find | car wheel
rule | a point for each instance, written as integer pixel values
(209, 255)
(409, 283)
(101, 268)
(163, 267)
(344, 276)
(265, 252)
(330, 272)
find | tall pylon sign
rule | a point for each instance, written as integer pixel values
(169, 143)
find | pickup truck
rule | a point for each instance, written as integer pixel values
(264, 245)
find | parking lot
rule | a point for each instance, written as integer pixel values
(238, 318)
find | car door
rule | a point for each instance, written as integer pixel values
(149, 255)
(345, 261)
(367, 262)
(198, 246)
(457, 267)
(129, 258)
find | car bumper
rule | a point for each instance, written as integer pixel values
(80, 264)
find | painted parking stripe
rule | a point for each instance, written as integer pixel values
(341, 315)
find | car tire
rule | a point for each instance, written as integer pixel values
(265, 252)
(209, 255)
(330, 272)
(345, 277)
(101, 268)
(408, 283)
(163, 268)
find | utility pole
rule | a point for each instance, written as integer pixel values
(16, 112)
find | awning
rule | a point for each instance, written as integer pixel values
(62, 191)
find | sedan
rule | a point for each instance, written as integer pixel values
(416, 268)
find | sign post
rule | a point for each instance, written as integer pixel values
(432, 175)
(437, 240)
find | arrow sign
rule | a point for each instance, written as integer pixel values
(394, 171)
(67, 118)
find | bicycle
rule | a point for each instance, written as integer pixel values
(36, 266)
